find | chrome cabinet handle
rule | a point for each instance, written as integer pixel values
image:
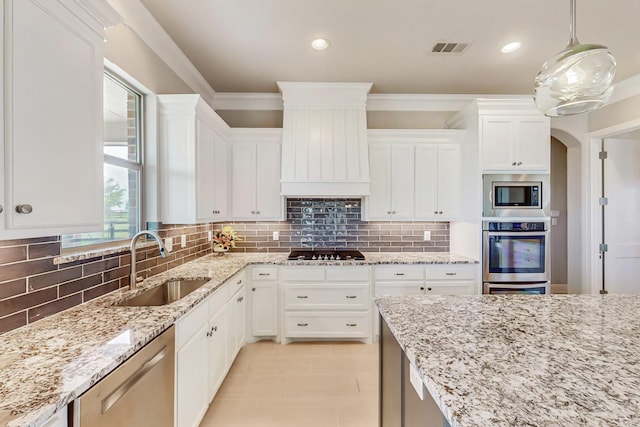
(302, 297)
(239, 282)
(399, 274)
(351, 297)
(303, 324)
(264, 274)
(214, 329)
(240, 299)
(24, 209)
(451, 274)
(352, 324)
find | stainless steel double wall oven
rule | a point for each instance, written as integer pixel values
(515, 253)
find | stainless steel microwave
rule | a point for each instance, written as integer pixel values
(516, 195)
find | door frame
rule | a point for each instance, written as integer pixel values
(592, 240)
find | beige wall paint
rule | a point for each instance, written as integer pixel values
(623, 111)
(125, 49)
(558, 235)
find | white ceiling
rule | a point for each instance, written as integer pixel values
(248, 45)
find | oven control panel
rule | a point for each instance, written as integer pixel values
(516, 226)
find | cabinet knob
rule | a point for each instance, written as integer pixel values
(440, 212)
(422, 288)
(435, 212)
(239, 282)
(389, 212)
(258, 212)
(253, 289)
(1, 209)
(214, 329)
(513, 164)
(519, 163)
(24, 209)
(393, 212)
(253, 212)
(428, 289)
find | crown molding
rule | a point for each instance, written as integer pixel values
(247, 101)
(137, 17)
(625, 89)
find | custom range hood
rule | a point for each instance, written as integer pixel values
(324, 139)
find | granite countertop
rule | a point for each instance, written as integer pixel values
(524, 360)
(46, 365)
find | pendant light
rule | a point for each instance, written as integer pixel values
(576, 80)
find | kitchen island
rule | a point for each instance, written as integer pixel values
(523, 360)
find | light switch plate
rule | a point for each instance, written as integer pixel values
(168, 243)
(183, 241)
(427, 235)
(276, 235)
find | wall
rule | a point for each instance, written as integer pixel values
(558, 234)
(32, 287)
(336, 223)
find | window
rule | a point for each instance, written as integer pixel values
(122, 166)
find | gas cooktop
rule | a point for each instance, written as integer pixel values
(326, 255)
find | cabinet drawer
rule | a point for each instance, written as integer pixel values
(303, 274)
(264, 273)
(317, 297)
(326, 325)
(399, 272)
(189, 324)
(465, 288)
(348, 274)
(411, 288)
(219, 299)
(239, 279)
(451, 272)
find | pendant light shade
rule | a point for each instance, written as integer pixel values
(577, 80)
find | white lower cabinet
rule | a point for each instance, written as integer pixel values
(208, 339)
(326, 303)
(263, 300)
(59, 419)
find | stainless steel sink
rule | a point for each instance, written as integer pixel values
(168, 292)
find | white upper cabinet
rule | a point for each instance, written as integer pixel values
(514, 141)
(194, 161)
(415, 175)
(439, 164)
(392, 181)
(52, 123)
(255, 175)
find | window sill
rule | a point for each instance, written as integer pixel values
(73, 254)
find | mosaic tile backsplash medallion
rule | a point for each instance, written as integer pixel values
(337, 223)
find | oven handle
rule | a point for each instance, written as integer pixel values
(517, 233)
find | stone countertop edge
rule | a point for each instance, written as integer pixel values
(71, 351)
(428, 384)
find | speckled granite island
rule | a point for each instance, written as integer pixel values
(524, 360)
(46, 365)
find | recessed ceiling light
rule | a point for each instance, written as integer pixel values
(510, 47)
(319, 44)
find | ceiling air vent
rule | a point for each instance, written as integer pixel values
(449, 47)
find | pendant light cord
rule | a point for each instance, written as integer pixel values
(573, 39)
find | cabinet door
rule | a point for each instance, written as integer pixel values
(237, 324)
(220, 177)
(205, 175)
(243, 180)
(426, 186)
(218, 364)
(449, 181)
(53, 120)
(379, 201)
(497, 140)
(402, 181)
(192, 380)
(269, 202)
(264, 309)
(533, 144)
(241, 319)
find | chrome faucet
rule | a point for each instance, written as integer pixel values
(134, 240)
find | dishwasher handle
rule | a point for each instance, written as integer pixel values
(123, 388)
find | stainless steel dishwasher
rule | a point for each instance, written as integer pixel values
(139, 393)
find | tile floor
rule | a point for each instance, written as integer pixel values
(299, 385)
